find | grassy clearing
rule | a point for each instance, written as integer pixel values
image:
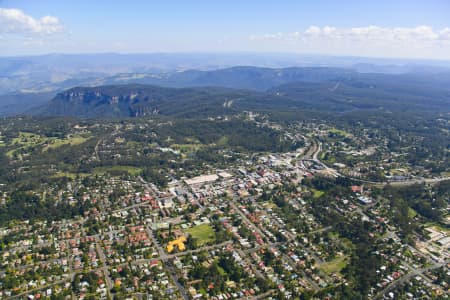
(322, 155)
(437, 227)
(28, 139)
(330, 159)
(317, 193)
(134, 171)
(68, 175)
(334, 266)
(398, 172)
(204, 233)
(223, 141)
(333, 235)
(27, 142)
(221, 271)
(56, 143)
(347, 244)
(270, 205)
(10, 153)
(186, 148)
(339, 132)
(411, 213)
(408, 253)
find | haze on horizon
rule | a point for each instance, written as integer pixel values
(400, 29)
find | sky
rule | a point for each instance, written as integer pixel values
(381, 28)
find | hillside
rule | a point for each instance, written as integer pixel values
(12, 104)
(140, 100)
(207, 93)
(242, 77)
(374, 92)
(339, 96)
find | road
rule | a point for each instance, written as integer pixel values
(165, 259)
(249, 263)
(316, 148)
(244, 217)
(204, 248)
(313, 150)
(403, 279)
(414, 271)
(169, 256)
(97, 156)
(102, 259)
(26, 293)
(286, 259)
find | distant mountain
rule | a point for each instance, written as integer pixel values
(399, 69)
(371, 91)
(248, 78)
(141, 100)
(56, 72)
(242, 77)
(322, 89)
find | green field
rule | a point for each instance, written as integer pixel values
(411, 213)
(55, 143)
(438, 227)
(335, 265)
(204, 233)
(317, 193)
(346, 243)
(186, 148)
(28, 139)
(68, 175)
(221, 271)
(339, 132)
(223, 141)
(27, 142)
(134, 171)
(398, 172)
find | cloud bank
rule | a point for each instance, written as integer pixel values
(362, 34)
(15, 21)
(408, 42)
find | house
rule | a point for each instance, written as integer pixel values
(357, 188)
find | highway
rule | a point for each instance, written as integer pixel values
(316, 147)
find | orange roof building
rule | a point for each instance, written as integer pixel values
(179, 243)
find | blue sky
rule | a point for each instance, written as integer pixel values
(376, 28)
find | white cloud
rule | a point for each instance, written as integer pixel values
(328, 30)
(444, 34)
(413, 42)
(363, 34)
(15, 21)
(271, 36)
(313, 30)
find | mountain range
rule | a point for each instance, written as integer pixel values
(204, 93)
